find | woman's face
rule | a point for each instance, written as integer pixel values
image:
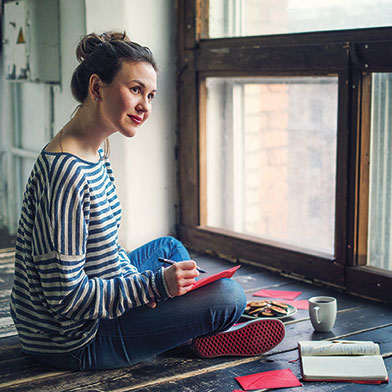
(126, 102)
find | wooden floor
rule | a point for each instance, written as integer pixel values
(6, 240)
(180, 370)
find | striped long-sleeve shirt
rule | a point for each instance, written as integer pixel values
(69, 269)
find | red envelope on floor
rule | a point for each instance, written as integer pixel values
(298, 303)
(209, 279)
(282, 378)
(281, 294)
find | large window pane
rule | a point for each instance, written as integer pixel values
(271, 158)
(231, 18)
(380, 194)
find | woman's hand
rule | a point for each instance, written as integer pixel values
(180, 277)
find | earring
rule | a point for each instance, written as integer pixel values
(96, 98)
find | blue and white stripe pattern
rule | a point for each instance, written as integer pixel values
(69, 269)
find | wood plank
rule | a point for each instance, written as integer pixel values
(25, 373)
(6, 240)
(187, 35)
(202, 150)
(7, 255)
(353, 133)
(188, 162)
(187, 29)
(7, 327)
(375, 56)
(363, 171)
(203, 18)
(370, 282)
(266, 60)
(373, 47)
(342, 208)
(10, 349)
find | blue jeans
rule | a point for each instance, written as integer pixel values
(142, 333)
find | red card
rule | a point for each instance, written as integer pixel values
(209, 279)
(298, 303)
(282, 378)
(281, 294)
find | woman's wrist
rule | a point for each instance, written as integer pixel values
(165, 284)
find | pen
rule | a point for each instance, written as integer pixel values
(167, 261)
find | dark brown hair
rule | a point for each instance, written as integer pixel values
(103, 55)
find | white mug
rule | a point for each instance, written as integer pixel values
(322, 312)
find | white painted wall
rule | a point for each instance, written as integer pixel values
(72, 27)
(4, 123)
(144, 166)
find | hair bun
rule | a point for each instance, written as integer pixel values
(110, 36)
(89, 42)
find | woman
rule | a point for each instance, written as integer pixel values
(79, 301)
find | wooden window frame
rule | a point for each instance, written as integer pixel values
(352, 55)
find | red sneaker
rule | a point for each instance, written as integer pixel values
(248, 339)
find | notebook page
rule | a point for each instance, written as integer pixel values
(370, 367)
(314, 348)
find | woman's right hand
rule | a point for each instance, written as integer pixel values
(180, 277)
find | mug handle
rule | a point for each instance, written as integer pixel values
(316, 310)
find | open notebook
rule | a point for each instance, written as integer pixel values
(342, 361)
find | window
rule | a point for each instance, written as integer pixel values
(235, 18)
(271, 158)
(284, 145)
(380, 179)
